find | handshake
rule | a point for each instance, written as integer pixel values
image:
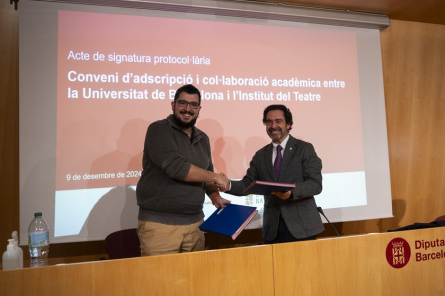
(222, 182)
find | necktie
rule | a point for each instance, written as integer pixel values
(277, 163)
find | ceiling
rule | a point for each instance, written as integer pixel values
(426, 11)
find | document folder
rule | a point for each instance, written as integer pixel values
(266, 188)
(229, 221)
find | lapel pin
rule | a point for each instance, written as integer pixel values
(290, 148)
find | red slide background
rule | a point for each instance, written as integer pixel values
(107, 135)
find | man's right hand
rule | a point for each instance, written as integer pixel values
(222, 182)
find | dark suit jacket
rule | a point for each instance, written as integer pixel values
(300, 166)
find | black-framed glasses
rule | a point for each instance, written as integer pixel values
(183, 104)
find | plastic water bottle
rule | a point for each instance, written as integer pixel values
(10, 258)
(38, 241)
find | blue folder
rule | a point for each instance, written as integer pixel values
(229, 221)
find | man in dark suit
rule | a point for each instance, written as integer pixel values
(288, 216)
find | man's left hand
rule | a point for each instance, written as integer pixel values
(220, 202)
(283, 195)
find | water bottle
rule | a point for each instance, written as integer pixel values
(38, 241)
(10, 258)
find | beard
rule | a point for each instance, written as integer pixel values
(271, 130)
(275, 137)
(183, 124)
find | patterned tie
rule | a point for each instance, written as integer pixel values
(277, 163)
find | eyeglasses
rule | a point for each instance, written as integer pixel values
(183, 104)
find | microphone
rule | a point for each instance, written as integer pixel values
(320, 210)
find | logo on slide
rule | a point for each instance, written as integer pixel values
(398, 252)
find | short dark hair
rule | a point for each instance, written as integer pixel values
(190, 89)
(286, 111)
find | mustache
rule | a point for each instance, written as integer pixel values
(278, 129)
(187, 112)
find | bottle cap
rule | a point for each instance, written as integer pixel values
(38, 214)
(10, 246)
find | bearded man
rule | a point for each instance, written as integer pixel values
(177, 173)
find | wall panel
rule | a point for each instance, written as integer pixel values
(413, 70)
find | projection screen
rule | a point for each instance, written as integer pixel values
(92, 78)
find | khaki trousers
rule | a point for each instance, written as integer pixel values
(160, 239)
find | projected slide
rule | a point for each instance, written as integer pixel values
(116, 74)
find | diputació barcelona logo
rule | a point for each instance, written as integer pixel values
(398, 252)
